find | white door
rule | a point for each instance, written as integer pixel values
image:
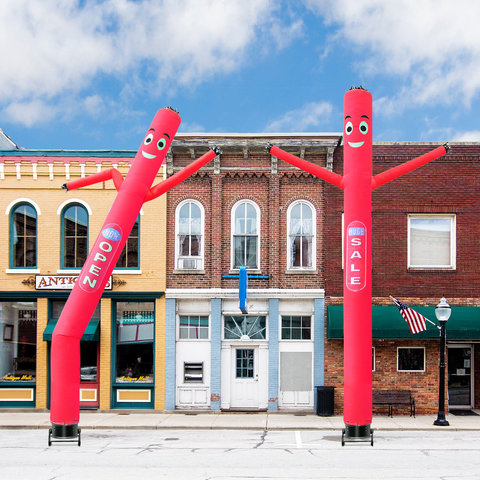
(245, 384)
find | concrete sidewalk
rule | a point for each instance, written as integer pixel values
(230, 420)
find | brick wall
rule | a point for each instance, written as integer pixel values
(447, 185)
(273, 190)
(423, 385)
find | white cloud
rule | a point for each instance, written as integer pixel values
(59, 47)
(308, 117)
(472, 136)
(29, 113)
(431, 46)
(94, 104)
(284, 35)
(191, 127)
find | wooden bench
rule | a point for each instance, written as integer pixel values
(391, 398)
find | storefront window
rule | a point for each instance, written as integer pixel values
(411, 359)
(135, 323)
(18, 341)
(57, 308)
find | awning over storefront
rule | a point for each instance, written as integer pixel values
(464, 323)
(92, 332)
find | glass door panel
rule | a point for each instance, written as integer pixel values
(244, 361)
(89, 397)
(460, 376)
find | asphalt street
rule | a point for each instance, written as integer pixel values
(239, 455)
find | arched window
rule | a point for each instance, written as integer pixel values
(189, 229)
(245, 235)
(130, 258)
(74, 228)
(301, 235)
(23, 236)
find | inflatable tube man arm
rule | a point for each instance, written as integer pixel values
(180, 176)
(319, 172)
(110, 174)
(155, 191)
(407, 167)
(377, 180)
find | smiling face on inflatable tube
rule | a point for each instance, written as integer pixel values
(153, 150)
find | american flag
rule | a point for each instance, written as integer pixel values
(416, 322)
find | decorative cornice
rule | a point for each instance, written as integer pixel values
(207, 293)
(69, 153)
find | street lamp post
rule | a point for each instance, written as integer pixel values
(442, 312)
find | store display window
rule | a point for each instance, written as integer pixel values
(134, 337)
(18, 341)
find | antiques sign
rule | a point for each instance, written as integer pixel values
(60, 282)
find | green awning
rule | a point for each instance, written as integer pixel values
(464, 323)
(92, 332)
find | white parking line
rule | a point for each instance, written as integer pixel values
(298, 439)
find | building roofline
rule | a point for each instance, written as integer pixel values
(261, 135)
(419, 143)
(68, 153)
(208, 137)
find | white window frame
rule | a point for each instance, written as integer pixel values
(232, 234)
(302, 340)
(374, 360)
(200, 258)
(314, 236)
(412, 348)
(453, 225)
(181, 339)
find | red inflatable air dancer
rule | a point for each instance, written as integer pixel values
(358, 183)
(133, 192)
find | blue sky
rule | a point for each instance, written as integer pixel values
(90, 74)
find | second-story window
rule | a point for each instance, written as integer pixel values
(431, 241)
(23, 236)
(129, 257)
(301, 235)
(74, 236)
(189, 235)
(245, 235)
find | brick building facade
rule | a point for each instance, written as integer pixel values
(444, 190)
(271, 357)
(429, 210)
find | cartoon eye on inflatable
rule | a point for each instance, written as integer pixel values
(348, 128)
(148, 139)
(363, 127)
(161, 144)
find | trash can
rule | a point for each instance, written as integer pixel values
(325, 401)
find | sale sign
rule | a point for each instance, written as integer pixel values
(356, 255)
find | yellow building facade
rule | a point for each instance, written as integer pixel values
(47, 233)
